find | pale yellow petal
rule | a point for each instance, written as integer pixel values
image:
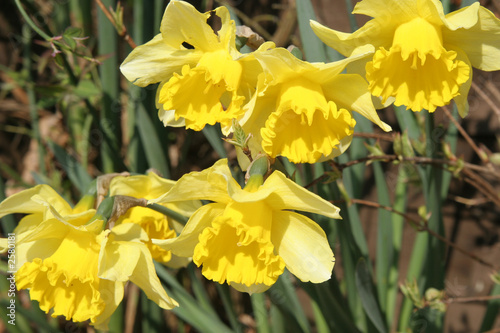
(373, 32)
(120, 251)
(156, 61)
(350, 91)
(209, 184)
(281, 193)
(227, 32)
(182, 23)
(303, 246)
(461, 99)
(185, 243)
(111, 292)
(464, 18)
(481, 42)
(145, 278)
(21, 202)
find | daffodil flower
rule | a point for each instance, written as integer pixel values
(423, 58)
(203, 78)
(156, 224)
(248, 236)
(303, 110)
(70, 264)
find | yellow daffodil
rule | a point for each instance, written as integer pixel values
(247, 236)
(423, 58)
(303, 110)
(156, 224)
(203, 78)
(70, 264)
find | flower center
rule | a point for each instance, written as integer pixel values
(237, 248)
(417, 70)
(67, 280)
(305, 127)
(205, 94)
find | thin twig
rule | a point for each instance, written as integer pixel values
(122, 30)
(482, 185)
(423, 227)
(486, 98)
(471, 299)
(418, 160)
(384, 137)
(466, 136)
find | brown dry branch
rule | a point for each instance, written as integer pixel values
(471, 299)
(122, 30)
(486, 98)
(422, 226)
(383, 137)
(481, 154)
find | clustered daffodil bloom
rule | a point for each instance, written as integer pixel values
(423, 58)
(156, 225)
(70, 264)
(203, 78)
(303, 110)
(248, 236)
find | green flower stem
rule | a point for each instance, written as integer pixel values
(168, 212)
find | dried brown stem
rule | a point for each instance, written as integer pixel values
(471, 299)
(384, 137)
(466, 136)
(122, 31)
(422, 226)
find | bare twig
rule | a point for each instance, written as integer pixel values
(122, 30)
(486, 98)
(471, 299)
(466, 136)
(384, 137)
(422, 226)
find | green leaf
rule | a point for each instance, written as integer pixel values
(313, 48)
(189, 309)
(86, 89)
(368, 298)
(76, 173)
(214, 135)
(492, 310)
(152, 146)
(70, 42)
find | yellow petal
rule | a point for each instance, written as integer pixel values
(199, 99)
(305, 126)
(373, 32)
(126, 257)
(185, 243)
(286, 194)
(350, 91)
(145, 278)
(481, 42)
(461, 99)
(237, 247)
(417, 70)
(182, 23)
(303, 246)
(112, 295)
(156, 61)
(21, 202)
(209, 184)
(121, 251)
(66, 281)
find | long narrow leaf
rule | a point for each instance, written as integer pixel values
(368, 296)
(313, 48)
